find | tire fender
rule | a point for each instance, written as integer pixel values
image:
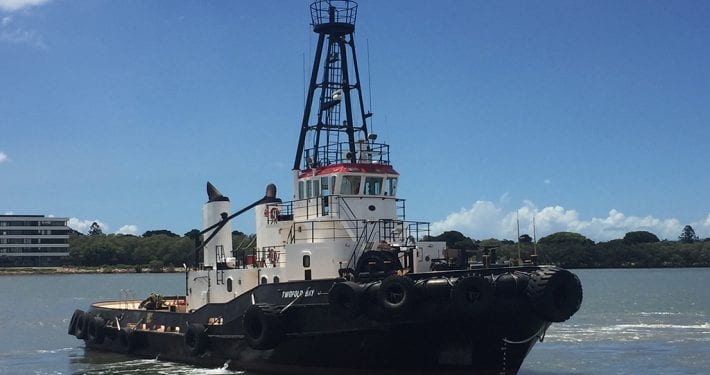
(555, 294)
(345, 299)
(263, 328)
(472, 296)
(81, 327)
(196, 339)
(95, 330)
(72, 322)
(396, 294)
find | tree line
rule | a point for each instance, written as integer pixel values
(158, 249)
(638, 249)
(155, 249)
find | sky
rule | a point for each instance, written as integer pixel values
(588, 116)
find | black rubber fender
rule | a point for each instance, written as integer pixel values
(396, 294)
(81, 327)
(555, 294)
(72, 322)
(472, 296)
(345, 299)
(95, 330)
(510, 292)
(196, 339)
(263, 328)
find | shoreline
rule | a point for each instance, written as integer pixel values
(78, 270)
(10, 271)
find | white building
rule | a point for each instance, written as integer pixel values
(33, 240)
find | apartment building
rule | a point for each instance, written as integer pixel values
(33, 240)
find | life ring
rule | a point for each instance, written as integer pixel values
(72, 322)
(196, 339)
(273, 256)
(555, 294)
(81, 327)
(262, 326)
(396, 294)
(95, 330)
(274, 214)
(345, 299)
(471, 296)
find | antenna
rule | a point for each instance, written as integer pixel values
(369, 82)
(517, 220)
(534, 238)
(303, 62)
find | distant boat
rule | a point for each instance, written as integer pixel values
(339, 280)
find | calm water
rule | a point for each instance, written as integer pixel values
(631, 322)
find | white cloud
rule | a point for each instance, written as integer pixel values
(84, 225)
(483, 217)
(13, 5)
(485, 220)
(11, 32)
(3, 157)
(22, 36)
(547, 181)
(128, 229)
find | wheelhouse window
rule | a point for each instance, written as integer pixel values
(316, 188)
(309, 189)
(373, 185)
(391, 186)
(300, 189)
(350, 185)
(324, 186)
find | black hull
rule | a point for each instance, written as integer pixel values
(426, 347)
(433, 334)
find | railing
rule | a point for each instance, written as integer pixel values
(401, 209)
(343, 11)
(336, 153)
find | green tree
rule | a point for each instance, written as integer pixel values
(525, 238)
(95, 229)
(640, 237)
(161, 231)
(192, 234)
(455, 240)
(570, 238)
(688, 235)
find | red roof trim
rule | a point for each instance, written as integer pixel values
(349, 168)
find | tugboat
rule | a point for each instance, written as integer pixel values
(338, 280)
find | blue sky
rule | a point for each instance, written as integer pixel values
(591, 116)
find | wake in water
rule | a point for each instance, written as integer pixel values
(151, 366)
(630, 332)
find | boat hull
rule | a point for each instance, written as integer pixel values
(432, 335)
(413, 347)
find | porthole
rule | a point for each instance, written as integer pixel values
(229, 284)
(306, 261)
(264, 280)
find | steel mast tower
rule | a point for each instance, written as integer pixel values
(331, 135)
